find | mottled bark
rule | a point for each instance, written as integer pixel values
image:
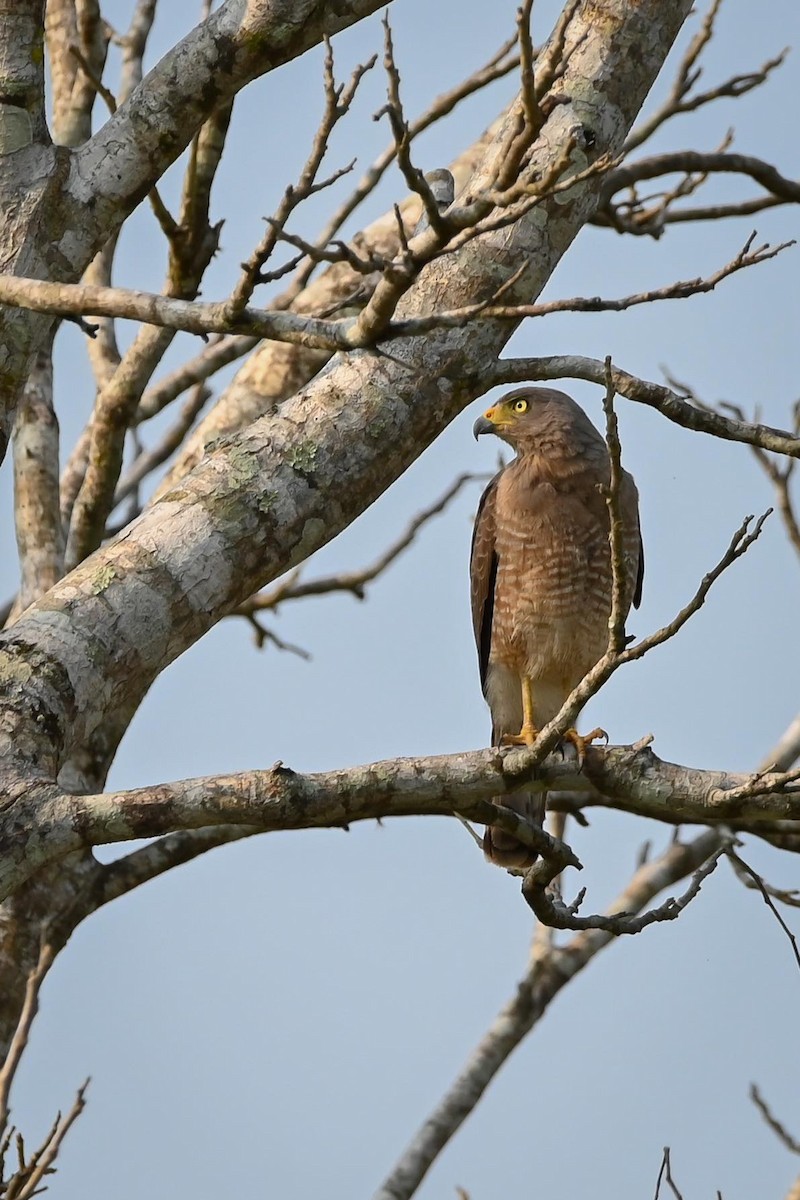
(629, 778)
(40, 536)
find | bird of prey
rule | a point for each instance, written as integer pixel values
(541, 576)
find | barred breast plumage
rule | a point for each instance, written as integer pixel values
(541, 568)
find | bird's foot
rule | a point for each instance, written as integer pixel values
(526, 737)
(581, 741)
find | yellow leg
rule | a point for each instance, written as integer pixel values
(529, 733)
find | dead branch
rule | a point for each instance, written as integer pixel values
(500, 64)
(550, 910)
(26, 1180)
(786, 1139)
(682, 99)
(338, 100)
(680, 290)
(632, 219)
(62, 299)
(393, 109)
(673, 406)
(665, 1175)
(628, 778)
(766, 894)
(536, 100)
(547, 973)
(22, 1032)
(193, 240)
(37, 516)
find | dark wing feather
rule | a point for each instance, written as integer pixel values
(483, 573)
(637, 593)
(629, 512)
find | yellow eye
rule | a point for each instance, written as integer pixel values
(520, 406)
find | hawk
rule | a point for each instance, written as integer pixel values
(540, 575)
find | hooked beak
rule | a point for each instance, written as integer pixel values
(485, 424)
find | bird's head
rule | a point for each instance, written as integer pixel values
(530, 418)
(512, 418)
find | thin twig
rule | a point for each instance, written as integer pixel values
(791, 1143)
(759, 883)
(665, 1174)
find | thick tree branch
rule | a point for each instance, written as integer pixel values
(629, 778)
(152, 308)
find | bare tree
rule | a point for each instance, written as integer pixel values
(356, 352)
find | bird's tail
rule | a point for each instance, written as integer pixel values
(503, 849)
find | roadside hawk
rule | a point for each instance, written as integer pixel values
(541, 577)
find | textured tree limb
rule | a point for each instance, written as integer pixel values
(550, 970)
(113, 413)
(193, 240)
(100, 183)
(354, 582)
(63, 824)
(171, 312)
(40, 536)
(676, 408)
(77, 41)
(168, 312)
(277, 370)
(629, 778)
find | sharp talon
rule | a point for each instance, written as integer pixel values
(580, 742)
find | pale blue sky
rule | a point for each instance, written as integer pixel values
(277, 1018)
